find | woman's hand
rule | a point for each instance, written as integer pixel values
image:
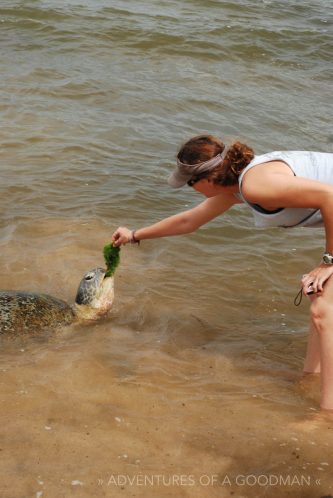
(314, 281)
(122, 236)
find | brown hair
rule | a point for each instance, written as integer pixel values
(204, 147)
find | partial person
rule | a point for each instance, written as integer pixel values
(282, 189)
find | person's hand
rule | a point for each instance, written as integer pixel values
(122, 236)
(314, 281)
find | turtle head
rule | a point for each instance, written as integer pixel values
(95, 295)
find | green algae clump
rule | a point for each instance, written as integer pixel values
(112, 258)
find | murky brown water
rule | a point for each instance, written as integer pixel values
(157, 398)
(191, 387)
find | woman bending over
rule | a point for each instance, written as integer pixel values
(283, 189)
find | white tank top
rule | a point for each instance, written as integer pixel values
(312, 165)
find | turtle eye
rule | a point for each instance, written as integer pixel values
(89, 276)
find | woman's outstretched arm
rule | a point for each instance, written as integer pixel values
(181, 223)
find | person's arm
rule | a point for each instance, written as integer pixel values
(181, 223)
(280, 190)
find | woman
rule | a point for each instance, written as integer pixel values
(282, 189)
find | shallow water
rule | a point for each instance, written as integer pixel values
(195, 375)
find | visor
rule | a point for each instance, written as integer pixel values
(184, 172)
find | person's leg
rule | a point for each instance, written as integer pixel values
(312, 357)
(322, 317)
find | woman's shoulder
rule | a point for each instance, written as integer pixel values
(280, 161)
(264, 158)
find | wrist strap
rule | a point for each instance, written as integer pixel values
(133, 239)
(298, 298)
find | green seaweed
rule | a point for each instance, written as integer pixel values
(112, 258)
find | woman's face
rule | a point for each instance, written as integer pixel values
(210, 189)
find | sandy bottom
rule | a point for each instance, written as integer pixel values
(74, 422)
(111, 410)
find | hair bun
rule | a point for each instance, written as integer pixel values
(238, 157)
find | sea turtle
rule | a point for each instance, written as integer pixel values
(27, 312)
